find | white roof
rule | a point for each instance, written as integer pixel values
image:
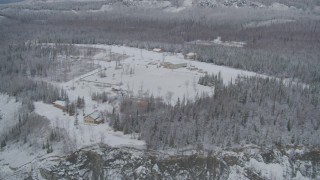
(95, 115)
(157, 49)
(191, 54)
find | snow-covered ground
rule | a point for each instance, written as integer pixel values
(228, 43)
(105, 7)
(267, 23)
(85, 134)
(218, 41)
(185, 4)
(12, 157)
(137, 71)
(279, 6)
(142, 71)
(9, 113)
(267, 171)
(138, 74)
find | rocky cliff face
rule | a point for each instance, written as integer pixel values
(103, 162)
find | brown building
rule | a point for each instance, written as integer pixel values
(93, 118)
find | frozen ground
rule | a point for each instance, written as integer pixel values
(85, 134)
(219, 42)
(267, 23)
(142, 72)
(14, 156)
(279, 170)
(9, 113)
(228, 43)
(185, 4)
(103, 8)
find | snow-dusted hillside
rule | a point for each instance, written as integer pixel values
(153, 71)
(179, 5)
(9, 113)
(118, 71)
(128, 163)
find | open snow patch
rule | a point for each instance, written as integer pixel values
(268, 23)
(269, 171)
(218, 41)
(103, 8)
(228, 43)
(174, 9)
(279, 7)
(85, 134)
(187, 3)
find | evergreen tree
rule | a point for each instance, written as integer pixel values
(3, 143)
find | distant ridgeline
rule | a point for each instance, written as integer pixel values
(9, 1)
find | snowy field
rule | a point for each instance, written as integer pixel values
(142, 73)
(85, 134)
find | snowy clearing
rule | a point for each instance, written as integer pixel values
(174, 9)
(268, 23)
(103, 8)
(85, 134)
(218, 41)
(142, 72)
(279, 7)
(228, 43)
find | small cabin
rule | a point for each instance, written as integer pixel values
(93, 118)
(59, 104)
